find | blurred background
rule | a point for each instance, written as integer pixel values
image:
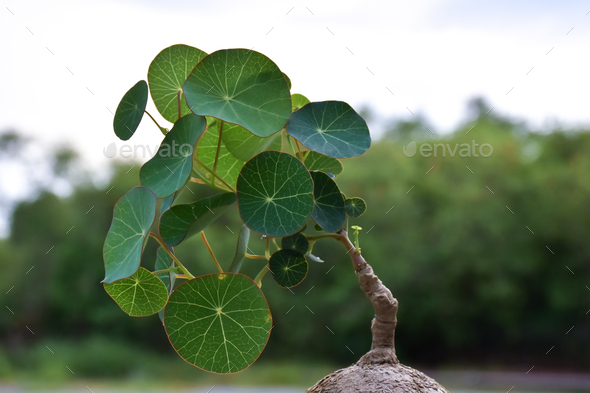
(488, 256)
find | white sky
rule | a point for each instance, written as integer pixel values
(431, 54)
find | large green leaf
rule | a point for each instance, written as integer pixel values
(166, 76)
(244, 145)
(329, 211)
(219, 322)
(288, 267)
(133, 216)
(275, 194)
(228, 167)
(240, 86)
(130, 111)
(355, 207)
(182, 221)
(241, 250)
(331, 128)
(140, 295)
(169, 169)
(318, 162)
(297, 242)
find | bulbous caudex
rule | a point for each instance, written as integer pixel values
(378, 370)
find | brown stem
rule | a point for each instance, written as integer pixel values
(385, 305)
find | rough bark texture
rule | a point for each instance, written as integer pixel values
(378, 370)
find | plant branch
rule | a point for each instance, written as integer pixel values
(255, 256)
(165, 247)
(154, 120)
(211, 251)
(385, 305)
(260, 275)
(214, 174)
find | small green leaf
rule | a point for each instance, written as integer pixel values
(288, 267)
(219, 322)
(228, 166)
(319, 162)
(182, 221)
(130, 111)
(167, 202)
(240, 86)
(275, 194)
(297, 242)
(244, 145)
(299, 101)
(166, 76)
(331, 128)
(140, 295)
(169, 169)
(329, 211)
(241, 249)
(355, 207)
(133, 216)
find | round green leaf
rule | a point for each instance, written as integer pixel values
(169, 169)
(219, 322)
(299, 101)
(331, 128)
(355, 207)
(182, 221)
(329, 211)
(140, 295)
(288, 267)
(240, 86)
(275, 194)
(228, 166)
(130, 111)
(244, 145)
(166, 76)
(297, 242)
(133, 216)
(318, 162)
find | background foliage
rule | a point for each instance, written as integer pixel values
(475, 285)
